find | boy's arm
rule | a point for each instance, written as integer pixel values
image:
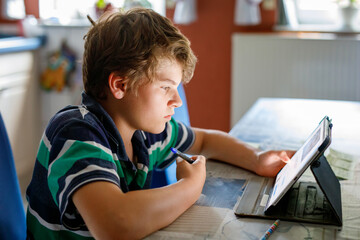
(221, 146)
(111, 214)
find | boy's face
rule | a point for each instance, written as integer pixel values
(155, 102)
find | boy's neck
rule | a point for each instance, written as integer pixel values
(125, 130)
(126, 135)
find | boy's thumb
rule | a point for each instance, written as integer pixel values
(179, 160)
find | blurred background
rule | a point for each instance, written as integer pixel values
(246, 49)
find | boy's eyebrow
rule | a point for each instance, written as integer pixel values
(169, 80)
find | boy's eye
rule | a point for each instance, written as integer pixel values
(166, 88)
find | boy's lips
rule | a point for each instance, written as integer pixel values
(169, 116)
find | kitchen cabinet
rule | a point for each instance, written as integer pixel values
(20, 108)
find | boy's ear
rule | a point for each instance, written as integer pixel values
(117, 85)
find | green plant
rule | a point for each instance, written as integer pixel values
(348, 2)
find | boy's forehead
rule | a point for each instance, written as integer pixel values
(170, 71)
(167, 62)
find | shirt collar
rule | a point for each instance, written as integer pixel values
(137, 140)
(107, 122)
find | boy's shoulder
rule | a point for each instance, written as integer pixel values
(73, 113)
(73, 116)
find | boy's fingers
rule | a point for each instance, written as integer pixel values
(199, 158)
(179, 160)
(195, 158)
(284, 157)
(290, 153)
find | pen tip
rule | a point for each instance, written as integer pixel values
(173, 150)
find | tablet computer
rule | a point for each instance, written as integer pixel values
(286, 198)
(312, 149)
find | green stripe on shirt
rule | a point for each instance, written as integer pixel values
(43, 233)
(73, 151)
(162, 150)
(43, 155)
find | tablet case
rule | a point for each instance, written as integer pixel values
(329, 185)
(326, 182)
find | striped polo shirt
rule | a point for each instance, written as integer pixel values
(81, 144)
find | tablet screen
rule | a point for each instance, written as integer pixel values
(298, 163)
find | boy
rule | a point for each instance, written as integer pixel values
(93, 169)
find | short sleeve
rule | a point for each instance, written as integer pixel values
(79, 154)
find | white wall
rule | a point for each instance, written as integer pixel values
(318, 66)
(53, 101)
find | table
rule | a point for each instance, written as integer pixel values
(273, 123)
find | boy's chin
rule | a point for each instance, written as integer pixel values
(156, 130)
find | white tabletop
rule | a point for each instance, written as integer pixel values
(274, 123)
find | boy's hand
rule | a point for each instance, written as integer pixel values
(195, 171)
(271, 162)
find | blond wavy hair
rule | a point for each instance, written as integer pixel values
(131, 44)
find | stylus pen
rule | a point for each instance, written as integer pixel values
(183, 156)
(270, 230)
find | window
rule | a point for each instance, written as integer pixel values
(315, 15)
(74, 11)
(316, 12)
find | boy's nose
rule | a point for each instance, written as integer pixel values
(177, 102)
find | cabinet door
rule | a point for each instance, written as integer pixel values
(11, 105)
(19, 108)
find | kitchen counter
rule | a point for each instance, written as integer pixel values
(16, 44)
